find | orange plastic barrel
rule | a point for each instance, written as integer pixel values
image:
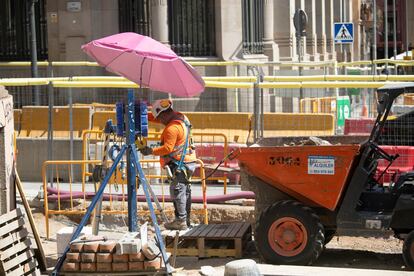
(315, 175)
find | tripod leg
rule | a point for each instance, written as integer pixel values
(157, 203)
(143, 180)
(90, 209)
(98, 210)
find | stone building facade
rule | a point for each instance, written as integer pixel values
(69, 27)
(208, 30)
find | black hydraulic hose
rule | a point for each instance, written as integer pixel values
(228, 156)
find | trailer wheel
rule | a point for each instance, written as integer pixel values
(288, 232)
(408, 250)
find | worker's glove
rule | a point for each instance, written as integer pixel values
(146, 150)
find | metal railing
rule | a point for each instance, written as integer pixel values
(253, 26)
(15, 30)
(191, 27)
(134, 16)
(75, 200)
(95, 138)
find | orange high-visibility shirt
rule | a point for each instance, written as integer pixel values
(173, 136)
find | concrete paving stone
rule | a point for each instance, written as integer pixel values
(136, 265)
(104, 267)
(120, 258)
(136, 257)
(150, 250)
(73, 257)
(88, 257)
(153, 264)
(91, 247)
(88, 267)
(128, 246)
(129, 243)
(107, 246)
(136, 246)
(120, 266)
(70, 266)
(64, 235)
(104, 257)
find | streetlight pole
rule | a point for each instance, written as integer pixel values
(386, 31)
(300, 20)
(374, 42)
(395, 34)
(35, 73)
(406, 28)
(299, 49)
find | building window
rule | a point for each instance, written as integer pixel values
(252, 11)
(191, 27)
(134, 16)
(15, 41)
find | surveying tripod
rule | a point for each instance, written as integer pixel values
(133, 167)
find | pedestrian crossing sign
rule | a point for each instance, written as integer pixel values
(343, 32)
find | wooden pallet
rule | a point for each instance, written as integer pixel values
(16, 256)
(211, 240)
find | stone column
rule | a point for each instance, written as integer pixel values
(228, 17)
(337, 17)
(311, 30)
(410, 7)
(353, 15)
(7, 190)
(159, 20)
(329, 28)
(321, 28)
(284, 30)
(270, 48)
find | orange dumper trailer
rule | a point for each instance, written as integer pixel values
(307, 194)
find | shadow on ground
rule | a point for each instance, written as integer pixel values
(360, 259)
(341, 258)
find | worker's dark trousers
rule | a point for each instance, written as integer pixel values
(180, 191)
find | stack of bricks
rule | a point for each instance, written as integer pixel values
(124, 255)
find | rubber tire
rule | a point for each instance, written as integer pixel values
(407, 256)
(329, 234)
(304, 214)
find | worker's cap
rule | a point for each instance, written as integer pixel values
(161, 105)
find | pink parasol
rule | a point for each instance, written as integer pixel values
(146, 62)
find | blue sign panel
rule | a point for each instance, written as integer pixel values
(343, 32)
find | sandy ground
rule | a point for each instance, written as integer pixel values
(346, 252)
(343, 252)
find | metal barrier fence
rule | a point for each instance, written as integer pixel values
(72, 198)
(210, 151)
(280, 98)
(282, 105)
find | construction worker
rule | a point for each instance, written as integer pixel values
(177, 155)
